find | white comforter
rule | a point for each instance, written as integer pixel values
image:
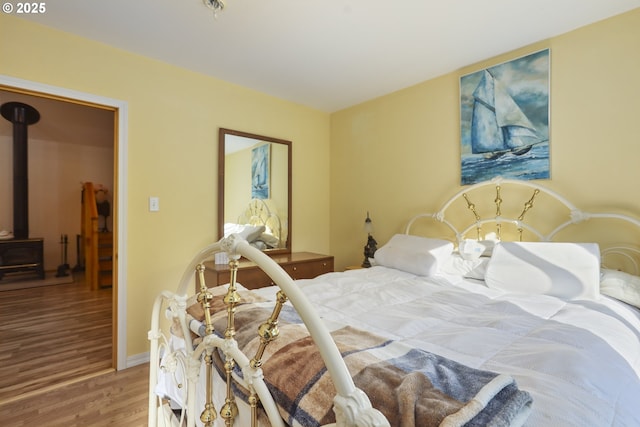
(579, 360)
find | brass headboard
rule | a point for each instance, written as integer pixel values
(506, 209)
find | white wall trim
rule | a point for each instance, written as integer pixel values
(122, 112)
(138, 359)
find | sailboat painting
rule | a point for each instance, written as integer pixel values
(504, 120)
(260, 171)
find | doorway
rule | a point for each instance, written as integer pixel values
(118, 109)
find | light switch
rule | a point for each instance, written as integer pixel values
(154, 204)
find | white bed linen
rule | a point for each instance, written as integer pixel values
(580, 360)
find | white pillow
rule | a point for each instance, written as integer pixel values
(456, 265)
(564, 270)
(269, 239)
(471, 249)
(414, 254)
(621, 286)
(230, 228)
(251, 232)
(488, 246)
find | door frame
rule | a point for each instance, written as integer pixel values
(120, 109)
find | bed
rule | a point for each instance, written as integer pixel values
(260, 224)
(473, 315)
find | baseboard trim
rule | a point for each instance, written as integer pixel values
(137, 359)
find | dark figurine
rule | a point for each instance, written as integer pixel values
(369, 251)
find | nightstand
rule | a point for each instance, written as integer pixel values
(299, 265)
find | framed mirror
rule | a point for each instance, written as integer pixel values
(254, 188)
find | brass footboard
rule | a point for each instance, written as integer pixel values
(351, 406)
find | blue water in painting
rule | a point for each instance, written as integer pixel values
(532, 165)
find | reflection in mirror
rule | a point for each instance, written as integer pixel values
(254, 187)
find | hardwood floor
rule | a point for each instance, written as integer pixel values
(111, 399)
(56, 360)
(52, 334)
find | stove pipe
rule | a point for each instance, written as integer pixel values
(21, 115)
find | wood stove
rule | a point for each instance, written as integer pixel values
(21, 254)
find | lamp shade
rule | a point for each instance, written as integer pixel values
(368, 225)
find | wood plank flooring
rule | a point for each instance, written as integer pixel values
(52, 334)
(56, 360)
(112, 399)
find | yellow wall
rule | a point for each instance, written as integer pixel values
(174, 116)
(399, 155)
(394, 156)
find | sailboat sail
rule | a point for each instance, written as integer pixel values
(498, 125)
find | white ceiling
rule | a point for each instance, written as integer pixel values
(324, 54)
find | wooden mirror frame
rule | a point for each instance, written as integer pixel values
(222, 133)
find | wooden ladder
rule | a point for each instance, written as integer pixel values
(105, 259)
(98, 246)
